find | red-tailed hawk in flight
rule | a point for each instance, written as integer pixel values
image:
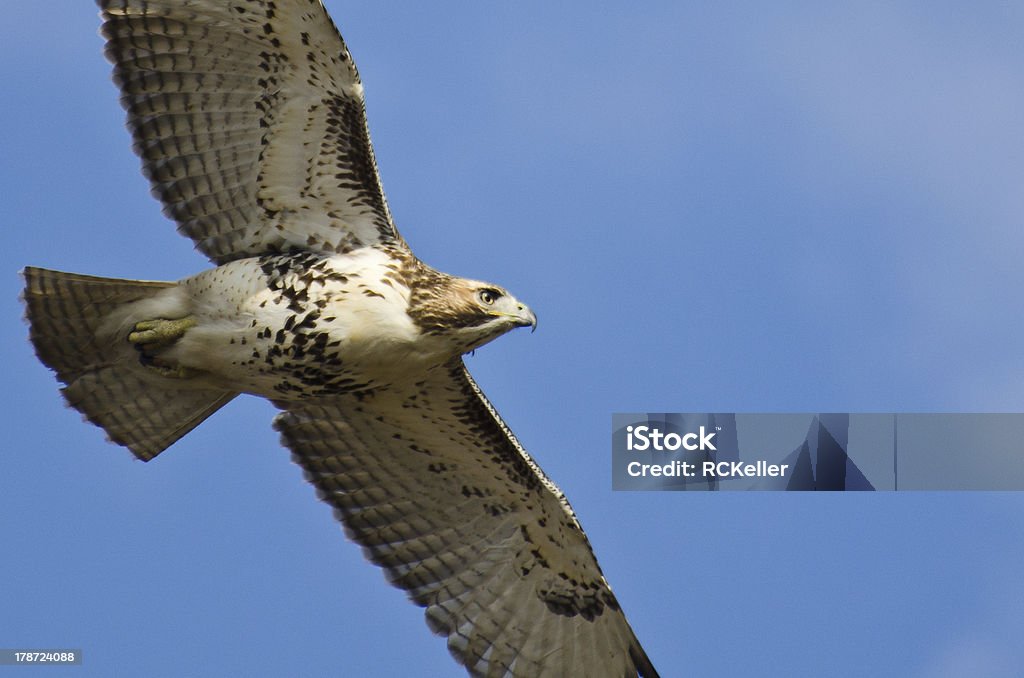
(249, 119)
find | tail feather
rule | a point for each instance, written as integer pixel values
(69, 317)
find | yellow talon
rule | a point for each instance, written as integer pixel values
(151, 334)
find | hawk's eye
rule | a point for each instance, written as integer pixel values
(488, 297)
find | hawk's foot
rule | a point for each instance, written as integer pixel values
(149, 336)
(153, 334)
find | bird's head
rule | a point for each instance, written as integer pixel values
(470, 313)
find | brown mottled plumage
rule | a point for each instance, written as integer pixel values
(249, 119)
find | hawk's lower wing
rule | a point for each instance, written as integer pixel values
(440, 494)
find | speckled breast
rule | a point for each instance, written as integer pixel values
(293, 326)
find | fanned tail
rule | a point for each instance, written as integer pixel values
(70, 318)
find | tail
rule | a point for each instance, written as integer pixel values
(70, 317)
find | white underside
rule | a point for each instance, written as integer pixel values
(234, 310)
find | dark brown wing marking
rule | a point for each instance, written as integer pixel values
(440, 494)
(248, 116)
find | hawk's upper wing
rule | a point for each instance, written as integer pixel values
(248, 116)
(440, 494)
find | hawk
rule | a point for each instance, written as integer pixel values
(249, 118)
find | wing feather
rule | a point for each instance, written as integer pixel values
(249, 119)
(440, 494)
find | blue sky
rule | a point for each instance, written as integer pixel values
(738, 207)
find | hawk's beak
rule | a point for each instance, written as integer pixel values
(524, 316)
(508, 309)
(520, 314)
